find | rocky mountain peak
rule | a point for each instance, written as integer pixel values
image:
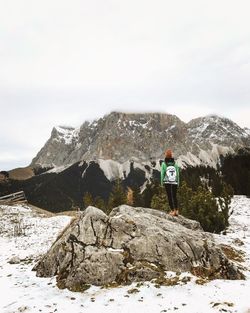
(160, 121)
(215, 121)
(142, 137)
(213, 129)
(65, 134)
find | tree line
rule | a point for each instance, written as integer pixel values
(203, 195)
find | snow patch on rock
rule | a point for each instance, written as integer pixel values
(67, 134)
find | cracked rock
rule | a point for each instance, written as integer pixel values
(131, 244)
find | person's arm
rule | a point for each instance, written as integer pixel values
(163, 172)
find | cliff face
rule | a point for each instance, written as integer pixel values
(142, 137)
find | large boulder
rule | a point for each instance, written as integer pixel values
(131, 244)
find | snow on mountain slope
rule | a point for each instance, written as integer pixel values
(247, 131)
(114, 170)
(121, 137)
(22, 291)
(67, 134)
(214, 127)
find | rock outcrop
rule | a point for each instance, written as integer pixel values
(141, 137)
(131, 244)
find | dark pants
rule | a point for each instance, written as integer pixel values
(171, 190)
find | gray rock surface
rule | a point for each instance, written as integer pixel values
(131, 244)
(14, 260)
(122, 137)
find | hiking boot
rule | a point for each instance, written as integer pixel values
(172, 213)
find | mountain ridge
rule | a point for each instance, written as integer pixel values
(143, 137)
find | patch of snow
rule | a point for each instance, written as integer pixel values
(93, 124)
(78, 145)
(239, 228)
(145, 125)
(58, 169)
(115, 250)
(135, 124)
(197, 131)
(170, 128)
(246, 132)
(22, 291)
(119, 123)
(84, 172)
(67, 134)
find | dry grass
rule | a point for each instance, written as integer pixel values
(72, 221)
(201, 281)
(232, 254)
(21, 173)
(68, 213)
(46, 213)
(40, 211)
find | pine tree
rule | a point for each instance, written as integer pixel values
(137, 197)
(100, 204)
(184, 195)
(225, 200)
(87, 199)
(201, 205)
(159, 200)
(148, 193)
(117, 196)
(204, 208)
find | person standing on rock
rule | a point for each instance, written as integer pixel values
(170, 178)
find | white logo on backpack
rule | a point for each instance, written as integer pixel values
(170, 175)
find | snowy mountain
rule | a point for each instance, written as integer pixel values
(126, 146)
(22, 291)
(122, 137)
(213, 130)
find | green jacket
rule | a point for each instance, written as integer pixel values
(164, 166)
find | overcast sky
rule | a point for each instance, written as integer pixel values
(64, 62)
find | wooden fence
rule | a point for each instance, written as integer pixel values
(17, 197)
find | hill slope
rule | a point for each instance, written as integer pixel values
(22, 291)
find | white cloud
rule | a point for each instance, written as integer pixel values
(63, 62)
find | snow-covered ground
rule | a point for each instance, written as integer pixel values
(26, 234)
